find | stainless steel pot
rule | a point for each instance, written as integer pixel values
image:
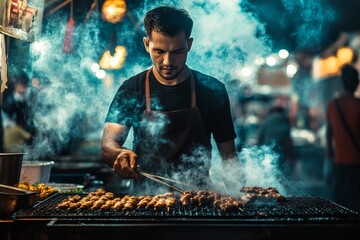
(10, 168)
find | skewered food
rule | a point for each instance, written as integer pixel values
(211, 199)
(144, 202)
(101, 200)
(254, 192)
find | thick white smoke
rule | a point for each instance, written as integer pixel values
(313, 19)
(69, 104)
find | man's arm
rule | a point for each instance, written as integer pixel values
(232, 172)
(122, 160)
(227, 150)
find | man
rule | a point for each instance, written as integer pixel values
(15, 114)
(15, 104)
(172, 109)
(343, 141)
(276, 130)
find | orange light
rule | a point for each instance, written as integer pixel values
(344, 56)
(113, 62)
(325, 67)
(113, 11)
(332, 66)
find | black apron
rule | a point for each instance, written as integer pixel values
(174, 143)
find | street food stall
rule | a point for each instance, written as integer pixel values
(76, 196)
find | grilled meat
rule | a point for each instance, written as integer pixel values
(106, 201)
(210, 199)
(260, 192)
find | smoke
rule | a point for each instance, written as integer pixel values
(70, 101)
(259, 166)
(314, 20)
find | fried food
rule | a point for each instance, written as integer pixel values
(43, 190)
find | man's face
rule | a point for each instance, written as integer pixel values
(168, 54)
(19, 93)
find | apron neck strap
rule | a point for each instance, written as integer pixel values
(147, 90)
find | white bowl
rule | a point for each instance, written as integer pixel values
(36, 171)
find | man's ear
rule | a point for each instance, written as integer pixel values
(146, 43)
(190, 41)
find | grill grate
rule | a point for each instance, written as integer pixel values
(295, 208)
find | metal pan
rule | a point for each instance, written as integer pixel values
(13, 199)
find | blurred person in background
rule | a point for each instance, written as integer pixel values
(343, 141)
(275, 130)
(15, 112)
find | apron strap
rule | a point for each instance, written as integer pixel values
(147, 90)
(193, 92)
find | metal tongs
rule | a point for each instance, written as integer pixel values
(162, 180)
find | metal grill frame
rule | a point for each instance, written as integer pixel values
(295, 208)
(75, 227)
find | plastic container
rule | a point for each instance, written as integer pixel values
(10, 168)
(36, 171)
(67, 187)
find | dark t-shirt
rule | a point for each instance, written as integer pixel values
(212, 100)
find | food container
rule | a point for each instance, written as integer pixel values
(13, 199)
(10, 168)
(67, 187)
(36, 171)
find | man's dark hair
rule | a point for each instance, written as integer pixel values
(21, 78)
(168, 21)
(350, 78)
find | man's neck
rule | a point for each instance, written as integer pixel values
(184, 74)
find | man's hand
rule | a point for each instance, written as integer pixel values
(114, 136)
(125, 164)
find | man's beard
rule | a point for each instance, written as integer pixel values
(172, 77)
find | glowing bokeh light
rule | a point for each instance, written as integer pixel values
(291, 70)
(100, 74)
(271, 61)
(246, 72)
(283, 53)
(95, 67)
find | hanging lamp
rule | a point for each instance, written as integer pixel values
(113, 11)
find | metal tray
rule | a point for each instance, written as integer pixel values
(13, 199)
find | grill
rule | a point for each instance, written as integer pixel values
(294, 208)
(298, 217)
